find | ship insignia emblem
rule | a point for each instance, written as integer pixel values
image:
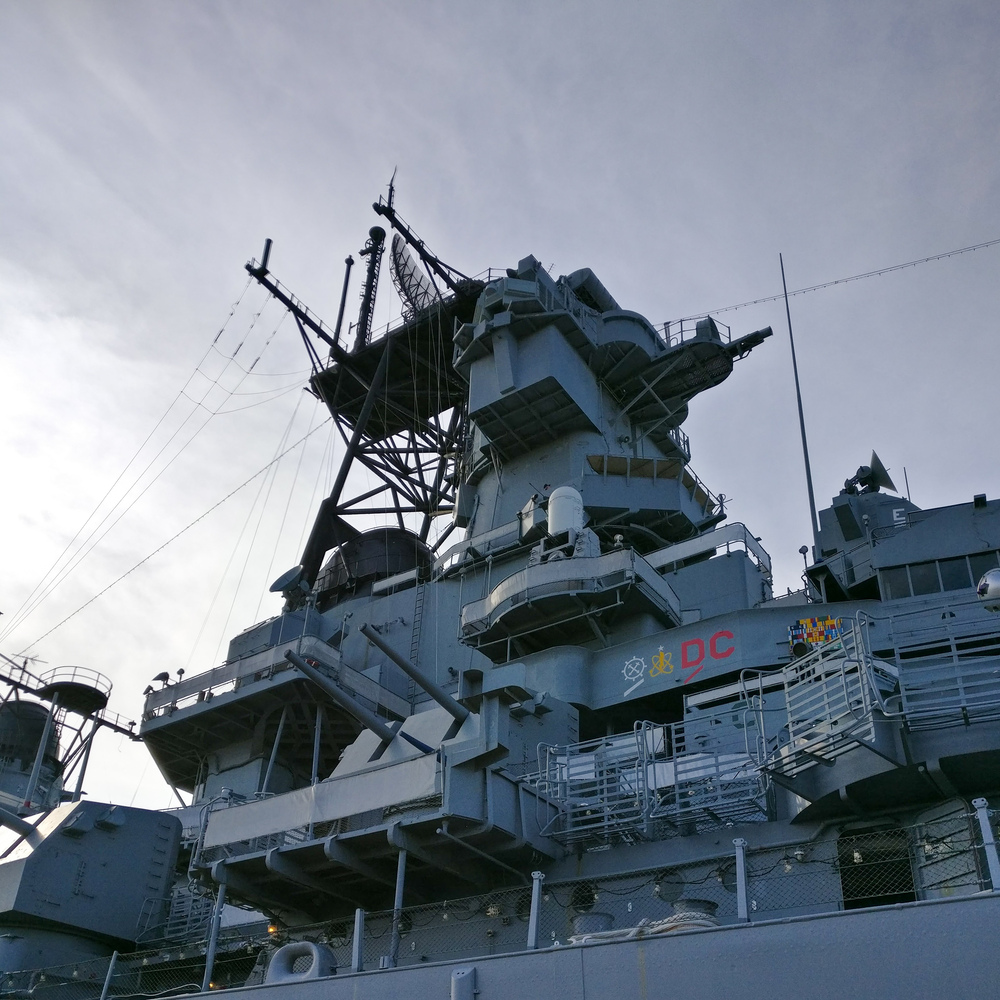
(634, 671)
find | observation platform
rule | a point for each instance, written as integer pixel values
(77, 689)
(420, 382)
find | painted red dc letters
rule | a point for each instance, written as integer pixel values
(720, 645)
(695, 654)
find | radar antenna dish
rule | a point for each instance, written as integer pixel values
(870, 478)
(416, 290)
(880, 475)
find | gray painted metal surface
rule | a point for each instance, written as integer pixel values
(907, 951)
(473, 741)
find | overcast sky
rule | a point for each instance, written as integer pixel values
(147, 149)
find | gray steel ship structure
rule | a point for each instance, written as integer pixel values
(547, 731)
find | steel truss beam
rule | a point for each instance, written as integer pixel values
(400, 410)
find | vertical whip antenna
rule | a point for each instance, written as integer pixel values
(802, 422)
(343, 300)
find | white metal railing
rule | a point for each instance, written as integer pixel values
(507, 535)
(829, 701)
(598, 785)
(734, 534)
(625, 786)
(84, 676)
(703, 767)
(679, 331)
(947, 670)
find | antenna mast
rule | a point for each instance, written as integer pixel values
(802, 422)
(373, 250)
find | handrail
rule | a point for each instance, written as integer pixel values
(84, 676)
(735, 533)
(677, 332)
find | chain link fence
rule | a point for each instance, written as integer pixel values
(944, 856)
(930, 861)
(162, 972)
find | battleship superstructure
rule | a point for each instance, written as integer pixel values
(547, 727)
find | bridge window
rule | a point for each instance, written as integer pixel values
(924, 578)
(934, 576)
(895, 583)
(980, 563)
(955, 573)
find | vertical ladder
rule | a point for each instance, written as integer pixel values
(418, 616)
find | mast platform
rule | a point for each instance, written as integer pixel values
(420, 381)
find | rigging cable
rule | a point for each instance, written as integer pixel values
(844, 281)
(21, 613)
(54, 577)
(174, 537)
(269, 482)
(222, 576)
(46, 585)
(284, 518)
(274, 394)
(326, 472)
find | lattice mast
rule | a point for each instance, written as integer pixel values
(398, 403)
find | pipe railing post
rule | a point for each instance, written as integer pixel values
(107, 978)
(989, 841)
(36, 770)
(397, 909)
(537, 878)
(78, 792)
(317, 742)
(274, 750)
(358, 944)
(741, 879)
(213, 938)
